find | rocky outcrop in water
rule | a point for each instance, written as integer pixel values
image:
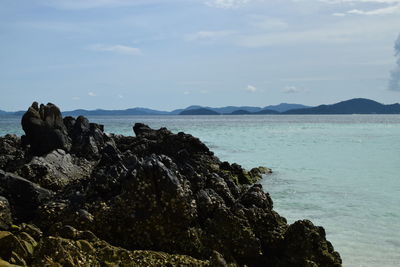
(112, 200)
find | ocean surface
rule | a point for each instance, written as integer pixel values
(341, 172)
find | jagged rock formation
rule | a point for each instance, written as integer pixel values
(44, 129)
(110, 199)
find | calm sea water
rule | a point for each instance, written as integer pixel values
(341, 172)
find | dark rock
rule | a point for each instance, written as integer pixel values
(24, 196)
(87, 138)
(241, 176)
(255, 197)
(301, 240)
(10, 247)
(142, 129)
(257, 172)
(44, 129)
(217, 260)
(5, 214)
(12, 154)
(69, 123)
(221, 188)
(152, 195)
(32, 230)
(208, 201)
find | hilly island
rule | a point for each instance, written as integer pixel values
(352, 106)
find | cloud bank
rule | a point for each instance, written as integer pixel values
(394, 83)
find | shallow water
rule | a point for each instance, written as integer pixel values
(342, 172)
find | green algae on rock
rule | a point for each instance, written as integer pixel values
(21, 249)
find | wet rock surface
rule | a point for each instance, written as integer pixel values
(92, 199)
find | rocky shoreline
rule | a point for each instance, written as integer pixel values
(71, 195)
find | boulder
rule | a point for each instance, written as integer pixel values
(141, 129)
(56, 169)
(5, 214)
(88, 139)
(306, 244)
(24, 196)
(242, 176)
(44, 129)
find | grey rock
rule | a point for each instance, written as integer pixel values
(56, 170)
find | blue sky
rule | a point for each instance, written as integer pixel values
(167, 54)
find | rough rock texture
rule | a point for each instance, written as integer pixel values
(87, 138)
(5, 214)
(44, 129)
(111, 200)
(56, 170)
(12, 154)
(26, 246)
(24, 196)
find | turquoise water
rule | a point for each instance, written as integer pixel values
(342, 172)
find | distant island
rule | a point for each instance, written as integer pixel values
(199, 111)
(352, 106)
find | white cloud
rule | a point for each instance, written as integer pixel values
(345, 31)
(120, 96)
(251, 88)
(292, 90)
(87, 4)
(387, 7)
(361, 1)
(227, 3)
(186, 93)
(380, 11)
(76, 98)
(91, 94)
(120, 49)
(208, 35)
(339, 14)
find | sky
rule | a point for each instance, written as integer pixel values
(168, 54)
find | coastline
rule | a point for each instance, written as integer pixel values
(221, 214)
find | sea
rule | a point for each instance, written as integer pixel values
(339, 171)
